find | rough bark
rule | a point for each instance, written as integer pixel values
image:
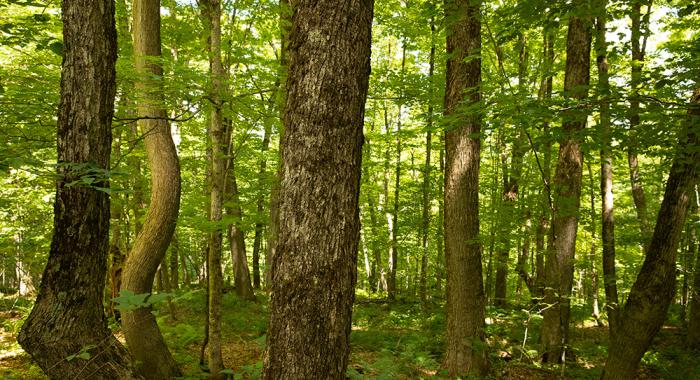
(694, 302)
(606, 172)
(559, 265)
(652, 293)
(314, 270)
(68, 316)
(218, 140)
(466, 350)
(143, 336)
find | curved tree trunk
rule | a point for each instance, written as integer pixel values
(652, 293)
(559, 266)
(466, 353)
(68, 316)
(143, 337)
(314, 270)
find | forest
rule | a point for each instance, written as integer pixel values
(349, 189)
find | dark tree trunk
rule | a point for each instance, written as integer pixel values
(652, 293)
(141, 330)
(68, 315)
(314, 270)
(466, 353)
(559, 266)
(694, 302)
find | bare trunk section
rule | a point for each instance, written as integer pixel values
(314, 270)
(466, 353)
(219, 141)
(68, 316)
(652, 293)
(559, 266)
(638, 53)
(425, 226)
(694, 302)
(143, 337)
(239, 259)
(606, 173)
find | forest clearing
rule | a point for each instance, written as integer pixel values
(349, 189)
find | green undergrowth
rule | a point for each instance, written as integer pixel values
(389, 340)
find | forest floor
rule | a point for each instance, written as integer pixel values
(389, 341)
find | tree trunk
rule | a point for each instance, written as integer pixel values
(559, 266)
(466, 352)
(638, 53)
(652, 293)
(314, 270)
(174, 256)
(592, 270)
(239, 259)
(606, 173)
(68, 316)
(140, 328)
(219, 141)
(426, 172)
(439, 260)
(694, 312)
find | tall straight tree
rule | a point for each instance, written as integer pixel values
(314, 268)
(606, 171)
(559, 266)
(143, 336)
(647, 304)
(466, 353)
(639, 43)
(68, 315)
(211, 14)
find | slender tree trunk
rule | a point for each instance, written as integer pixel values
(140, 328)
(559, 266)
(174, 257)
(466, 353)
(439, 260)
(314, 270)
(239, 259)
(592, 271)
(652, 293)
(426, 172)
(374, 227)
(606, 173)
(68, 316)
(219, 141)
(638, 53)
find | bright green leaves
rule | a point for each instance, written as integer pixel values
(127, 300)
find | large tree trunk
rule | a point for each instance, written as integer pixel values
(606, 173)
(143, 337)
(559, 266)
(314, 270)
(694, 302)
(68, 316)
(652, 293)
(218, 140)
(466, 353)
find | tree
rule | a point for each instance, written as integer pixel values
(68, 316)
(559, 266)
(141, 330)
(647, 304)
(314, 268)
(218, 140)
(466, 350)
